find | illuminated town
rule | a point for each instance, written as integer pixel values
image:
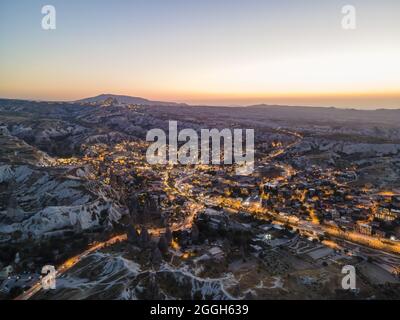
(295, 221)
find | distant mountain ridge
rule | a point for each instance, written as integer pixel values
(127, 100)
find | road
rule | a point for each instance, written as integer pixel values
(70, 263)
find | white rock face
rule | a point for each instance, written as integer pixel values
(348, 148)
(53, 219)
(6, 173)
(55, 202)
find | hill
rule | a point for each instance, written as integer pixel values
(121, 99)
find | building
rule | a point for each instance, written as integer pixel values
(364, 228)
(386, 214)
(335, 214)
(380, 234)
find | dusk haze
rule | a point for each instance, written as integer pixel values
(204, 52)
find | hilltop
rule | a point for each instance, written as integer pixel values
(122, 99)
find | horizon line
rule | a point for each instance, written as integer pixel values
(187, 104)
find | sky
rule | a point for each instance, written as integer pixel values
(214, 52)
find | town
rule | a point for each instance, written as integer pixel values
(297, 224)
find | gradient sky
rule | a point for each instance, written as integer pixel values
(204, 52)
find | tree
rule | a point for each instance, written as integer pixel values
(133, 235)
(156, 257)
(163, 244)
(195, 233)
(144, 237)
(168, 235)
